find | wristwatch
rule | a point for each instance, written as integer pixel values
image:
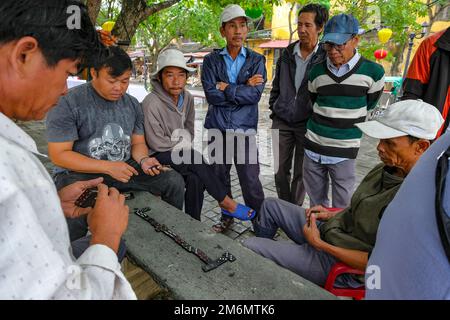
(218, 86)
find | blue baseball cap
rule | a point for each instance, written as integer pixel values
(339, 29)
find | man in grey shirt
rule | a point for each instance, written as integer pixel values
(97, 130)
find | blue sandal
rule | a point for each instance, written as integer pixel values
(242, 213)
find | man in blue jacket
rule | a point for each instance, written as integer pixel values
(233, 79)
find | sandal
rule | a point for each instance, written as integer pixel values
(222, 225)
(242, 213)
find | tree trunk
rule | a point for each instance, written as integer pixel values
(398, 59)
(434, 16)
(133, 13)
(291, 32)
(93, 7)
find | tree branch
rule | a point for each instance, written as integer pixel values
(151, 9)
(93, 7)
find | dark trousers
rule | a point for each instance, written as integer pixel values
(78, 229)
(198, 177)
(247, 170)
(169, 185)
(289, 186)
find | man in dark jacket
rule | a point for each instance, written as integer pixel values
(233, 79)
(290, 100)
(428, 76)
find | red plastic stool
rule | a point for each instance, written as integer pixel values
(338, 269)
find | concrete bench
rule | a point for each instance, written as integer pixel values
(179, 272)
(250, 277)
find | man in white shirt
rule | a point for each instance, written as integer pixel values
(39, 49)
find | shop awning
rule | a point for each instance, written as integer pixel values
(276, 44)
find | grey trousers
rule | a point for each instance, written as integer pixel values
(317, 176)
(289, 186)
(170, 185)
(299, 257)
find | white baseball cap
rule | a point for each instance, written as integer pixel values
(233, 11)
(171, 58)
(410, 117)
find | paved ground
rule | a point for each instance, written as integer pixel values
(367, 159)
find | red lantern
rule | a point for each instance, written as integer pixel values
(380, 54)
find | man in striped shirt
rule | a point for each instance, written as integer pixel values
(343, 89)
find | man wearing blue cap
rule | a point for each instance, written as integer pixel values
(343, 89)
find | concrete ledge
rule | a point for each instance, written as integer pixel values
(250, 277)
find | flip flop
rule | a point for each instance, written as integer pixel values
(223, 225)
(242, 213)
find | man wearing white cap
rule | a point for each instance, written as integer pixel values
(323, 237)
(233, 79)
(169, 116)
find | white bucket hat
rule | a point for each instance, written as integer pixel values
(171, 58)
(231, 12)
(410, 117)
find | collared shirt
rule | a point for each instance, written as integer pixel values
(319, 158)
(180, 102)
(345, 68)
(234, 66)
(302, 64)
(342, 71)
(36, 260)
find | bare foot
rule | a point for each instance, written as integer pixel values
(228, 204)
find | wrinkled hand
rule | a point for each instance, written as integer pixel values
(69, 194)
(312, 233)
(120, 171)
(222, 86)
(109, 218)
(256, 80)
(322, 214)
(147, 165)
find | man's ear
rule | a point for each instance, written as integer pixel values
(23, 54)
(94, 73)
(422, 145)
(222, 32)
(356, 41)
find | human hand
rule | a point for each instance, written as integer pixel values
(151, 166)
(69, 194)
(120, 171)
(108, 219)
(221, 86)
(321, 213)
(256, 80)
(312, 233)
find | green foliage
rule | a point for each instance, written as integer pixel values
(395, 14)
(368, 48)
(188, 19)
(196, 20)
(109, 11)
(398, 15)
(325, 3)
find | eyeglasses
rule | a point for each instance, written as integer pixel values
(328, 46)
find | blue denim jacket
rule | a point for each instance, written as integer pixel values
(237, 106)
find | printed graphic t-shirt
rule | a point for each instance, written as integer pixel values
(100, 129)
